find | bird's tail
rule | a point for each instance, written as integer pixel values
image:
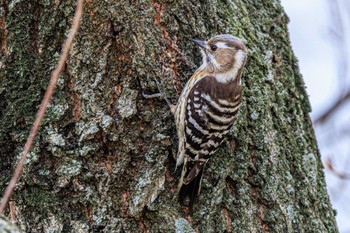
(190, 183)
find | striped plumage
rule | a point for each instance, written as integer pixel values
(207, 108)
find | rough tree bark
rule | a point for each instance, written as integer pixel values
(103, 159)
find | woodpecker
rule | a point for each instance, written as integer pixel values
(207, 108)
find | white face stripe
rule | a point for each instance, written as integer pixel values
(232, 74)
(240, 58)
(221, 45)
(213, 60)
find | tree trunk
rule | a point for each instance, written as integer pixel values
(103, 160)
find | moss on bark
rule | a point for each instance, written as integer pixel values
(103, 159)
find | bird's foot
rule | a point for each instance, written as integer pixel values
(161, 94)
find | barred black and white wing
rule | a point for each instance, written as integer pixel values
(209, 114)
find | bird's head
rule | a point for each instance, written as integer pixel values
(222, 53)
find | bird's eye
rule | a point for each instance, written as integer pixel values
(213, 47)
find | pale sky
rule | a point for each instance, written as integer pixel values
(311, 41)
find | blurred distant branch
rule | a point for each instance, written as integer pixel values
(340, 16)
(338, 38)
(329, 166)
(321, 119)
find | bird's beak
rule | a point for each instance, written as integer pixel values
(199, 43)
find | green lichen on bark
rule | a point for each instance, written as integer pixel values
(104, 153)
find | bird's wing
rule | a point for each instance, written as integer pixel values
(207, 117)
(205, 128)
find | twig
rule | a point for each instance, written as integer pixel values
(329, 166)
(12, 212)
(50, 89)
(3, 36)
(333, 108)
(339, 40)
(338, 33)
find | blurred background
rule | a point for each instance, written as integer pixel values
(320, 35)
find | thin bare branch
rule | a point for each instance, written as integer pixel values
(332, 109)
(329, 166)
(339, 40)
(12, 212)
(50, 89)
